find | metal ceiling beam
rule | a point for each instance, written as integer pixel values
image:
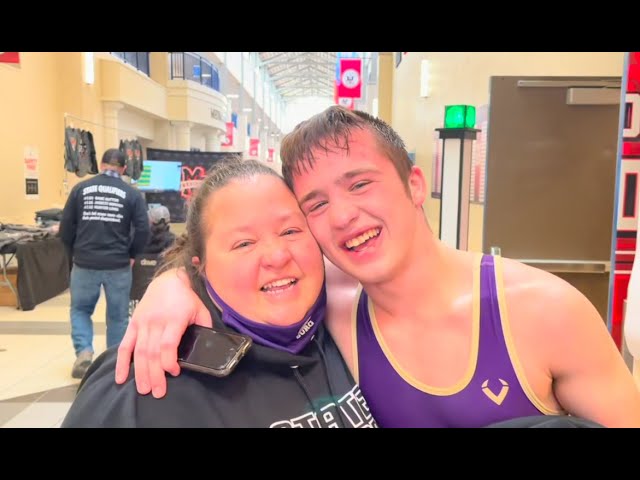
(290, 81)
(273, 58)
(305, 81)
(279, 55)
(308, 72)
(290, 73)
(309, 94)
(303, 76)
(311, 72)
(299, 74)
(291, 90)
(311, 79)
(307, 86)
(307, 61)
(307, 64)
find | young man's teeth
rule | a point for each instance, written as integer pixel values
(360, 239)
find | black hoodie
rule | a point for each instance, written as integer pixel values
(161, 238)
(269, 388)
(98, 220)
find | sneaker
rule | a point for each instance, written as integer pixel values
(82, 364)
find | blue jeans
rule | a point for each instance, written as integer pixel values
(85, 291)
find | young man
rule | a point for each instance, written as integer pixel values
(441, 337)
(104, 226)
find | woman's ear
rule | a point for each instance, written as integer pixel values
(195, 261)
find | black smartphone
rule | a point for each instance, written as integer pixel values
(209, 351)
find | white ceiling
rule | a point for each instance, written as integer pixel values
(301, 74)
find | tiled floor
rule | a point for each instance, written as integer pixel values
(36, 356)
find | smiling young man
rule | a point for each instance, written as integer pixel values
(436, 337)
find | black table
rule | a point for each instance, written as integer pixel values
(10, 252)
(43, 270)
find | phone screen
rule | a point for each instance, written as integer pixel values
(210, 351)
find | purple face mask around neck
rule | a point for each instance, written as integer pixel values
(293, 338)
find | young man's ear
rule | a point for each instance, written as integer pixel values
(417, 186)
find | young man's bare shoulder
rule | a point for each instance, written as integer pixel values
(547, 301)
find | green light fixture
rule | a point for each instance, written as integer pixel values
(459, 116)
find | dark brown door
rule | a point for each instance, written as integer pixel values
(551, 160)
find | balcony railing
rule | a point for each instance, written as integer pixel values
(139, 60)
(190, 66)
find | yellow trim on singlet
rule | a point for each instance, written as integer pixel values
(473, 357)
(354, 334)
(506, 332)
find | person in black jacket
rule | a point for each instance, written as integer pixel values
(96, 227)
(161, 236)
(146, 264)
(260, 273)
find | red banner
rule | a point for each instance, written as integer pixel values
(10, 57)
(628, 201)
(350, 78)
(254, 145)
(228, 138)
(270, 154)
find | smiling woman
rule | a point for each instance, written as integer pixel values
(250, 254)
(245, 255)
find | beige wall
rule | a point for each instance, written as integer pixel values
(33, 99)
(132, 124)
(371, 94)
(188, 101)
(79, 100)
(463, 78)
(27, 117)
(198, 140)
(386, 91)
(159, 66)
(123, 83)
(164, 136)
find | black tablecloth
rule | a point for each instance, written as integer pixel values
(143, 271)
(43, 271)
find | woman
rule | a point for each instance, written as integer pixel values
(260, 273)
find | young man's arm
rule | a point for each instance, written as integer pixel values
(167, 308)
(567, 342)
(170, 305)
(591, 379)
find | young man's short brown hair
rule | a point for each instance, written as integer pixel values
(330, 131)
